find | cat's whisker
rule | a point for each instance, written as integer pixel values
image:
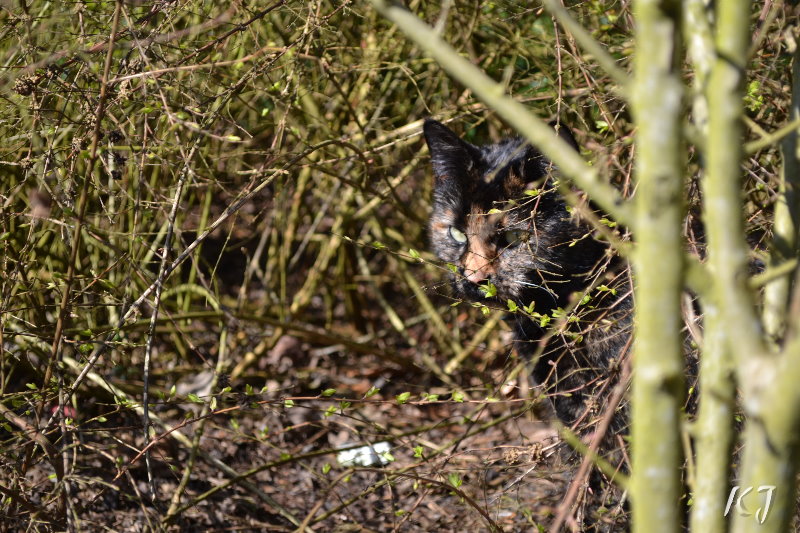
(545, 288)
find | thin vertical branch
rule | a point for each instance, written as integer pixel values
(75, 241)
(785, 228)
(715, 423)
(727, 247)
(159, 286)
(700, 50)
(658, 385)
(585, 39)
(77, 230)
(714, 427)
(201, 426)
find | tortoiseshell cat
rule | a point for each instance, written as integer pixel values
(498, 217)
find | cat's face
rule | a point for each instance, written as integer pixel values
(498, 218)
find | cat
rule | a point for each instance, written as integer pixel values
(500, 220)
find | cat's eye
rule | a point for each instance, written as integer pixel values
(457, 235)
(515, 236)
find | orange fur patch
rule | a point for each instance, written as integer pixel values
(479, 259)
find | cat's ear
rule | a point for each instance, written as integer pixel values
(565, 133)
(535, 166)
(451, 157)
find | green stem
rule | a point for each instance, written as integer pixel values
(658, 388)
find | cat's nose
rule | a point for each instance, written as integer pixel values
(477, 268)
(476, 276)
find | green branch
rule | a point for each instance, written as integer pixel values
(787, 212)
(658, 390)
(769, 382)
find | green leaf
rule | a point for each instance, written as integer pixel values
(288, 404)
(413, 253)
(194, 398)
(326, 468)
(608, 222)
(605, 288)
(457, 396)
(328, 392)
(754, 99)
(372, 392)
(454, 479)
(512, 305)
(488, 289)
(388, 456)
(418, 452)
(403, 397)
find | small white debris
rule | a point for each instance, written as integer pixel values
(371, 455)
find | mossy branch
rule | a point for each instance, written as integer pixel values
(772, 398)
(659, 271)
(787, 212)
(714, 427)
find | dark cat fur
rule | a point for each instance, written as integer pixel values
(533, 250)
